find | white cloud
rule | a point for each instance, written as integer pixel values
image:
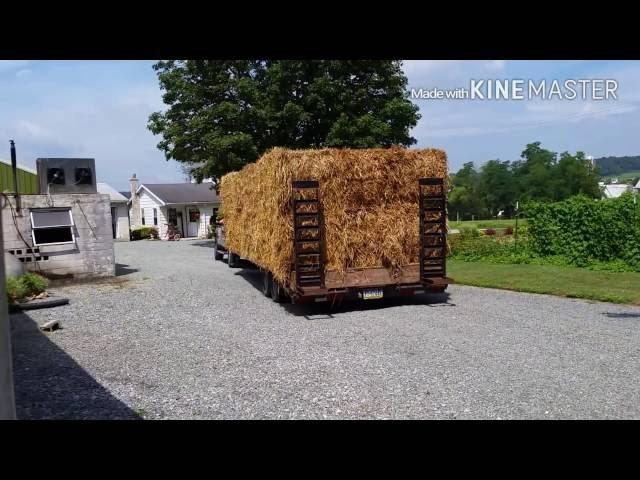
(7, 65)
(449, 73)
(496, 65)
(23, 73)
(33, 130)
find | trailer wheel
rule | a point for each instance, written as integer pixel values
(217, 254)
(267, 283)
(233, 260)
(277, 292)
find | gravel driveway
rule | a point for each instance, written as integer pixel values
(178, 335)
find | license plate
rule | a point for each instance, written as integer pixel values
(372, 294)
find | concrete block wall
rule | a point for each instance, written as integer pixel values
(92, 255)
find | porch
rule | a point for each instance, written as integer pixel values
(191, 219)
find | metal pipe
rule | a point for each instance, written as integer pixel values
(14, 167)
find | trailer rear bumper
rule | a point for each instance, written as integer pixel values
(333, 295)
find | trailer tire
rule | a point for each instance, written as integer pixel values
(277, 292)
(233, 260)
(217, 254)
(267, 283)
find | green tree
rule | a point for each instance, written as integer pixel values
(534, 173)
(574, 175)
(224, 114)
(498, 189)
(464, 198)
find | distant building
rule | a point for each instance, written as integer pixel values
(119, 212)
(190, 207)
(27, 178)
(615, 190)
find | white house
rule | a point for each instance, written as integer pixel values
(637, 187)
(190, 207)
(614, 190)
(119, 212)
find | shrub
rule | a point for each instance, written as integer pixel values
(490, 231)
(34, 283)
(586, 231)
(477, 248)
(27, 285)
(15, 289)
(468, 233)
(141, 233)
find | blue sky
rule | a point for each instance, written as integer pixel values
(100, 108)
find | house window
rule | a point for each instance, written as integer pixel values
(172, 217)
(52, 226)
(194, 215)
(142, 215)
(155, 216)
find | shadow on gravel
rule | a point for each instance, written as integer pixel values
(122, 269)
(325, 311)
(621, 315)
(204, 243)
(49, 384)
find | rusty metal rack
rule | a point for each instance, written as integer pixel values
(433, 230)
(307, 223)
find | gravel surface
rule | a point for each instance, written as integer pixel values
(178, 335)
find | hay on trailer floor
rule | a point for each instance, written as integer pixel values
(369, 201)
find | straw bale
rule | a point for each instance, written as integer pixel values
(369, 202)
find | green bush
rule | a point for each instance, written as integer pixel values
(468, 233)
(15, 289)
(472, 247)
(27, 285)
(587, 232)
(142, 233)
(34, 283)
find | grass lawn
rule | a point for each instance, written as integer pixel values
(563, 281)
(487, 223)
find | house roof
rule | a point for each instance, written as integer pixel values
(126, 195)
(614, 190)
(171, 193)
(109, 190)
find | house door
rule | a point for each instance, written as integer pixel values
(180, 223)
(114, 221)
(193, 224)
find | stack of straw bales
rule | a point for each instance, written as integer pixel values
(369, 200)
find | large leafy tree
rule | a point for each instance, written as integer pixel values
(538, 175)
(465, 199)
(498, 188)
(223, 114)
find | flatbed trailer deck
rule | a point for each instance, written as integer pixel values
(309, 281)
